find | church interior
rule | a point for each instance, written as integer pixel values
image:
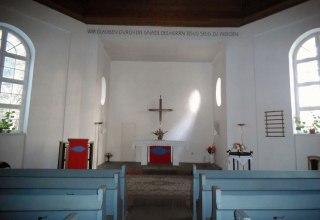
(210, 83)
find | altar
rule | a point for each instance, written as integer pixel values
(142, 150)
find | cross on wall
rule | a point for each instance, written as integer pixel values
(160, 110)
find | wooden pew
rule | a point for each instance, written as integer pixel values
(71, 216)
(196, 188)
(239, 214)
(52, 206)
(246, 180)
(267, 204)
(70, 181)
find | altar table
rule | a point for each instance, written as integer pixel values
(142, 150)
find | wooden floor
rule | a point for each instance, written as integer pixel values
(168, 198)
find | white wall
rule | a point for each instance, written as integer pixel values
(57, 105)
(220, 112)
(136, 87)
(104, 70)
(240, 86)
(258, 81)
(272, 71)
(306, 145)
(12, 149)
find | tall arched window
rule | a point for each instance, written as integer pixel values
(306, 77)
(14, 75)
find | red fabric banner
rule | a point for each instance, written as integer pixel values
(160, 154)
(77, 154)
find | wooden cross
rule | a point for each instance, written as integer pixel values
(160, 110)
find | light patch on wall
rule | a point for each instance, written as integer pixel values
(103, 91)
(218, 92)
(184, 127)
(194, 101)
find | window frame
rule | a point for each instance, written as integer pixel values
(305, 60)
(25, 82)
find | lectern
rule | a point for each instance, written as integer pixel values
(75, 154)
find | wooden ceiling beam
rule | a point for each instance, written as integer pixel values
(180, 13)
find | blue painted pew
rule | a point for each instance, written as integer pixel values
(196, 188)
(246, 180)
(267, 204)
(71, 216)
(52, 206)
(72, 181)
(239, 214)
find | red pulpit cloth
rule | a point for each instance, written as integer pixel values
(77, 154)
(160, 154)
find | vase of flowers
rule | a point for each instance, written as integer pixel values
(211, 151)
(239, 147)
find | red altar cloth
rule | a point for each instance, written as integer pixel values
(160, 154)
(77, 154)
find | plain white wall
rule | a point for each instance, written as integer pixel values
(220, 113)
(56, 109)
(104, 69)
(12, 149)
(136, 87)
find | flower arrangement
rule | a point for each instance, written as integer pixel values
(211, 149)
(6, 123)
(311, 127)
(239, 147)
(159, 133)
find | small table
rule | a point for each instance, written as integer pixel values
(240, 158)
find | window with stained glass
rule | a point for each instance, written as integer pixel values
(14, 61)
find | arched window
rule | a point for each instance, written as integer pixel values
(306, 78)
(14, 75)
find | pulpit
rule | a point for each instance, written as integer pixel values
(75, 154)
(159, 151)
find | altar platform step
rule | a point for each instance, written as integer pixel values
(133, 168)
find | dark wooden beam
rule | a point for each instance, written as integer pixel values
(180, 13)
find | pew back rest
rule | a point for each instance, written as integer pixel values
(250, 180)
(262, 199)
(105, 173)
(53, 205)
(72, 180)
(52, 201)
(266, 204)
(196, 180)
(57, 182)
(262, 180)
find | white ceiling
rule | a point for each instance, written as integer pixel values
(161, 50)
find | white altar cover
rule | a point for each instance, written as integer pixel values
(142, 150)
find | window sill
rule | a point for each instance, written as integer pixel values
(12, 133)
(303, 134)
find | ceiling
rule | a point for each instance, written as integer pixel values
(169, 13)
(155, 50)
